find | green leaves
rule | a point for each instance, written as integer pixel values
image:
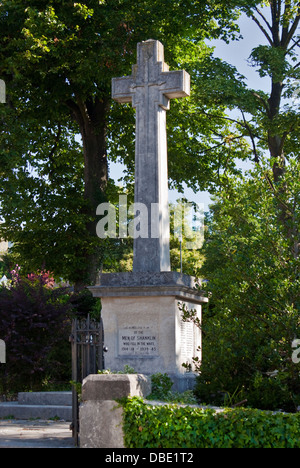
(271, 62)
(170, 426)
(252, 269)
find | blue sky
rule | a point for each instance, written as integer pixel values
(235, 53)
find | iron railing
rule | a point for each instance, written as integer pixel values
(87, 341)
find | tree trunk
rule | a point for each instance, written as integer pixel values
(276, 142)
(91, 117)
(276, 148)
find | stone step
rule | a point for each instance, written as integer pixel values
(35, 434)
(41, 405)
(45, 398)
(14, 410)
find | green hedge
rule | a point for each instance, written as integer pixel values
(173, 426)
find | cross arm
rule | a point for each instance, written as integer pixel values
(177, 84)
(121, 89)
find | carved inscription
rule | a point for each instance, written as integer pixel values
(187, 340)
(138, 341)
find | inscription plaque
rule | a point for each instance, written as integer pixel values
(138, 341)
(187, 340)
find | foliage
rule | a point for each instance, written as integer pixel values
(127, 370)
(35, 323)
(57, 60)
(83, 304)
(252, 247)
(171, 426)
(252, 272)
(35, 327)
(161, 385)
(270, 121)
(5, 266)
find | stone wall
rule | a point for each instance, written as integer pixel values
(100, 416)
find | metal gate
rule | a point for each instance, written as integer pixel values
(87, 340)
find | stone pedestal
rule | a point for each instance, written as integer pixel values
(101, 423)
(143, 325)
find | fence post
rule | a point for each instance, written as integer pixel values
(87, 338)
(101, 417)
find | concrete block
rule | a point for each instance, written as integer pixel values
(100, 416)
(101, 425)
(114, 386)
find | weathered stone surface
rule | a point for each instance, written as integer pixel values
(168, 343)
(113, 386)
(135, 284)
(101, 425)
(2, 352)
(35, 434)
(149, 88)
(166, 278)
(45, 398)
(142, 320)
(101, 418)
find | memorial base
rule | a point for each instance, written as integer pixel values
(143, 326)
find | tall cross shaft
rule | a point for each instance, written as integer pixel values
(150, 88)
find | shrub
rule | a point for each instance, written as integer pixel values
(252, 272)
(171, 426)
(83, 303)
(35, 326)
(162, 384)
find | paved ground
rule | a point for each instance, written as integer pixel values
(35, 434)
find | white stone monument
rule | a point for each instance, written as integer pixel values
(150, 88)
(140, 310)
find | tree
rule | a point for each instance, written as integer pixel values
(253, 281)
(34, 323)
(252, 248)
(58, 59)
(269, 121)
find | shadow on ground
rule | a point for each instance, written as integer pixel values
(35, 434)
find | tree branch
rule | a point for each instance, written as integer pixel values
(229, 119)
(56, 141)
(252, 138)
(263, 30)
(261, 99)
(293, 29)
(287, 34)
(294, 45)
(75, 110)
(264, 18)
(275, 23)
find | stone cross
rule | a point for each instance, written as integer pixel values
(150, 88)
